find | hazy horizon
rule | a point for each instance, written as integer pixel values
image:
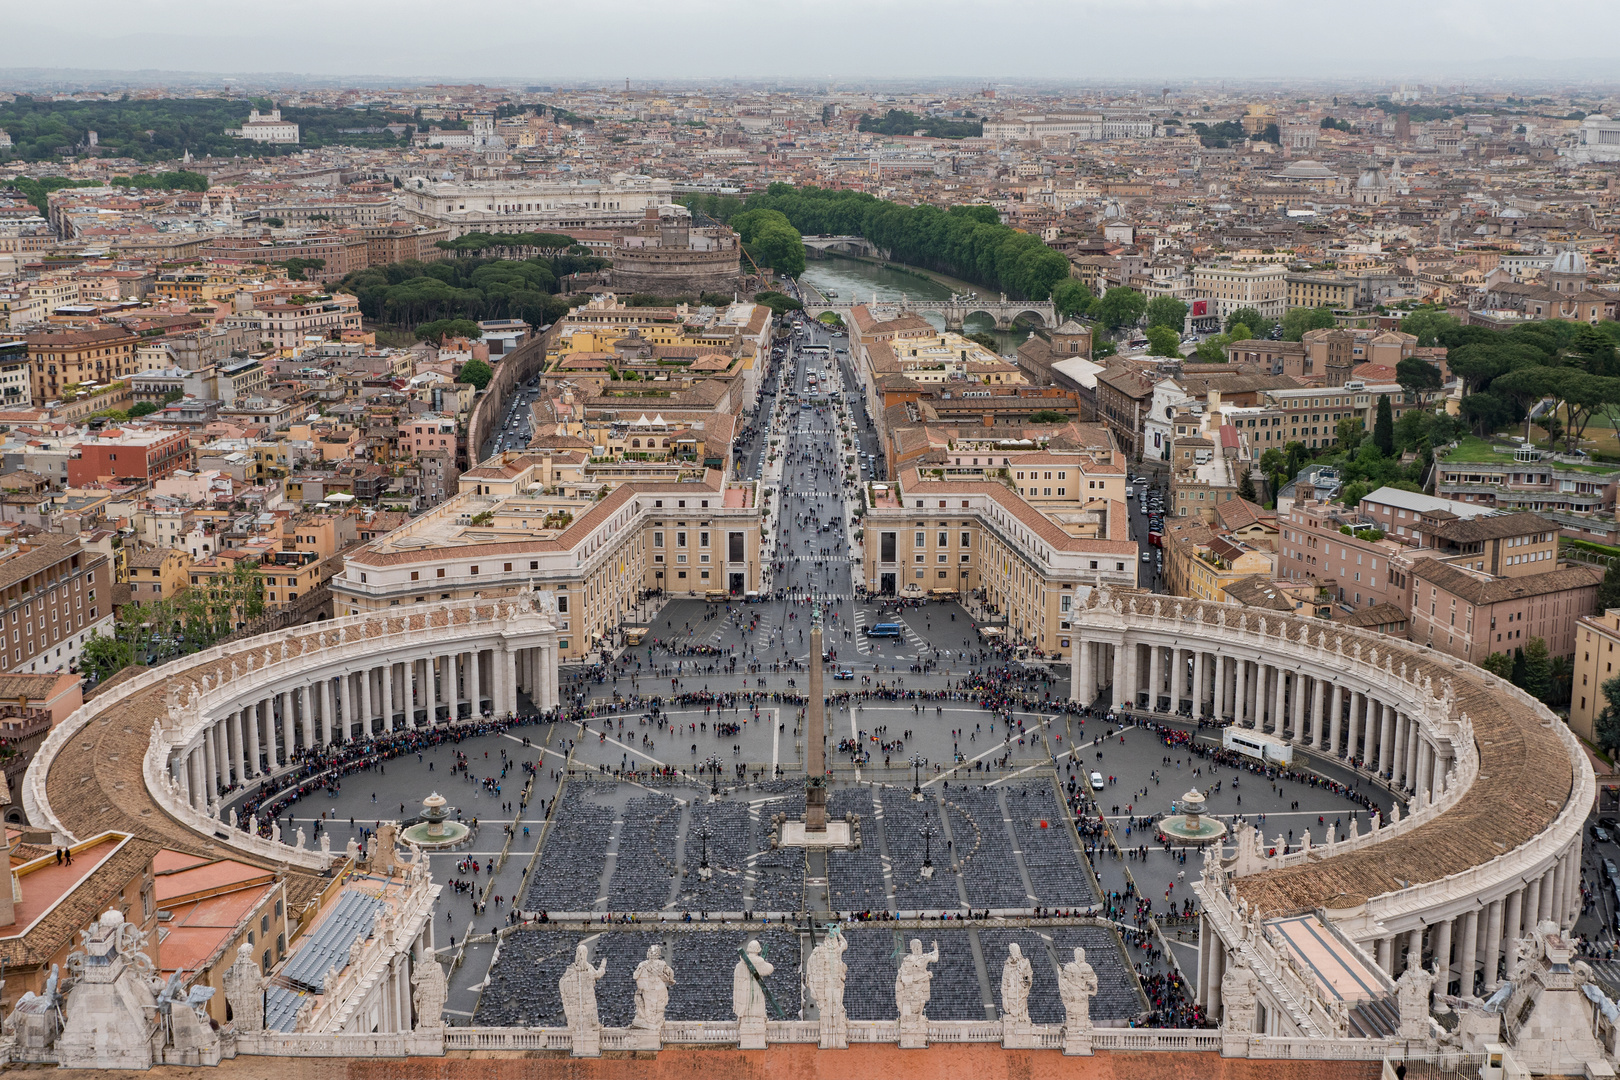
(1078, 42)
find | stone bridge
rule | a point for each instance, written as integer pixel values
(849, 245)
(954, 310)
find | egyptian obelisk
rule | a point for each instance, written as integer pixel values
(815, 763)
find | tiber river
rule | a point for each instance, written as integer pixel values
(854, 281)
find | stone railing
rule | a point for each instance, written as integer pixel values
(486, 1038)
(1278, 975)
(423, 1042)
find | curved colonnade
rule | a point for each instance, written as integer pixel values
(152, 755)
(1498, 787)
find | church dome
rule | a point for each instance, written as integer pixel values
(1370, 179)
(1569, 262)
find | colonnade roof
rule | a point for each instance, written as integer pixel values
(96, 782)
(1526, 774)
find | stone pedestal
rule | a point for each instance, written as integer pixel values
(751, 1033)
(645, 1038)
(798, 834)
(586, 1041)
(1017, 1035)
(834, 1034)
(1077, 1042)
(913, 1032)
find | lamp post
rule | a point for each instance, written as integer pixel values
(927, 832)
(713, 765)
(916, 775)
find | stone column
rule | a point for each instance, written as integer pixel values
(1468, 959)
(368, 700)
(1554, 901)
(1335, 719)
(1532, 901)
(388, 696)
(1279, 701)
(1513, 922)
(548, 674)
(1298, 734)
(1387, 743)
(1544, 904)
(1133, 664)
(1218, 705)
(346, 706)
(211, 762)
(1155, 675)
(251, 716)
(1357, 703)
(286, 727)
(1318, 720)
(1414, 950)
(182, 773)
(1493, 941)
(1442, 956)
(1572, 887)
(1200, 677)
(327, 727)
(1414, 760)
(1437, 784)
(476, 671)
(1240, 694)
(1386, 955)
(505, 680)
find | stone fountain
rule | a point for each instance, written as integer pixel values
(1191, 826)
(435, 829)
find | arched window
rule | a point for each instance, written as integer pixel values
(636, 443)
(666, 444)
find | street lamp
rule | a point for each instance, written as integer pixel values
(703, 867)
(916, 775)
(713, 765)
(927, 832)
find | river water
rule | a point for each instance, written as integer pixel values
(854, 281)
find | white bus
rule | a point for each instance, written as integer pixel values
(1250, 743)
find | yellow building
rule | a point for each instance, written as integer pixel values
(157, 573)
(1313, 291)
(1597, 660)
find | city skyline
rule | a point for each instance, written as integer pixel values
(1159, 41)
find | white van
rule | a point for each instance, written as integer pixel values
(1096, 781)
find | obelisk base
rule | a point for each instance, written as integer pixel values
(835, 835)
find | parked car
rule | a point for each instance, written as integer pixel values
(1096, 781)
(843, 673)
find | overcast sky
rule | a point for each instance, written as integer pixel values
(1081, 41)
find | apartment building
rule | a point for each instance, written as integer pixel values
(54, 596)
(1510, 476)
(289, 326)
(1319, 290)
(1596, 660)
(69, 357)
(595, 558)
(1469, 614)
(1360, 567)
(128, 453)
(926, 536)
(1229, 287)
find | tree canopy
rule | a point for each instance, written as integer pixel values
(1163, 341)
(476, 372)
(901, 122)
(772, 240)
(1298, 321)
(410, 293)
(967, 242)
(1167, 311)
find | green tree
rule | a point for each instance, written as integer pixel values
(779, 303)
(772, 240)
(1606, 731)
(1430, 324)
(142, 408)
(1251, 318)
(1417, 376)
(1071, 297)
(476, 372)
(1166, 311)
(1121, 306)
(1163, 341)
(1383, 435)
(1212, 350)
(1298, 321)
(1246, 487)
(1537, 678)
(440, 329)
(1349, 432)
(1498, 664)
(295, 267)
(104, 656)
(1608, 594)
(1048, 416)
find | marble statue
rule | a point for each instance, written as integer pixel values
(428, 992)
(825, 976)
(244, 990)
(912, 989)
(1239, 986)
(108, 1013)
(653, 979)
(748, 996)
(1016, 978)
(1412, 999)
(578, 989)
(1077, 985)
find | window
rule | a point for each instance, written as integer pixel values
(920, 540)
(886, 546)
(441, 572)
(736, 550)
(562, 602)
